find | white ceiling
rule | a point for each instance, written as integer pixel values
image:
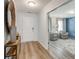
(21, 5)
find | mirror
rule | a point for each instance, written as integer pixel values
(61, 27)
(10, 28)
(9, 16)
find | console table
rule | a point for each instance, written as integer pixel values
(14, 49)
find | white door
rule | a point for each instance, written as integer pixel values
(28, 28)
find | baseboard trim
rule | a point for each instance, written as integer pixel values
(27, 41)
(43, 45)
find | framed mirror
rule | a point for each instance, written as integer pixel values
(61, 28)
(10, 20)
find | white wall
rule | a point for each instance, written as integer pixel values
(19, 24)
(43, 22)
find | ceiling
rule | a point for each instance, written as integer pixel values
(21, 5)
(67, 10)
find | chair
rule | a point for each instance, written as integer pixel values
(53, 36)
(64, 35)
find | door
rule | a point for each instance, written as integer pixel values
(28, 28)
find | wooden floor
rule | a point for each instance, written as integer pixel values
(65, 50)
(60, 53)
(33, 50)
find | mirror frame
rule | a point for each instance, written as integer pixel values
(9, 6)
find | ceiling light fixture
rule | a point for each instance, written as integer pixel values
(31, 3)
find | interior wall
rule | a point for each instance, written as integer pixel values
(19, 22)
(43, 22)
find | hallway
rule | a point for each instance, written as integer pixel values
(32, 25)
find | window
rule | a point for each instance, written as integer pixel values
(60, 25)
